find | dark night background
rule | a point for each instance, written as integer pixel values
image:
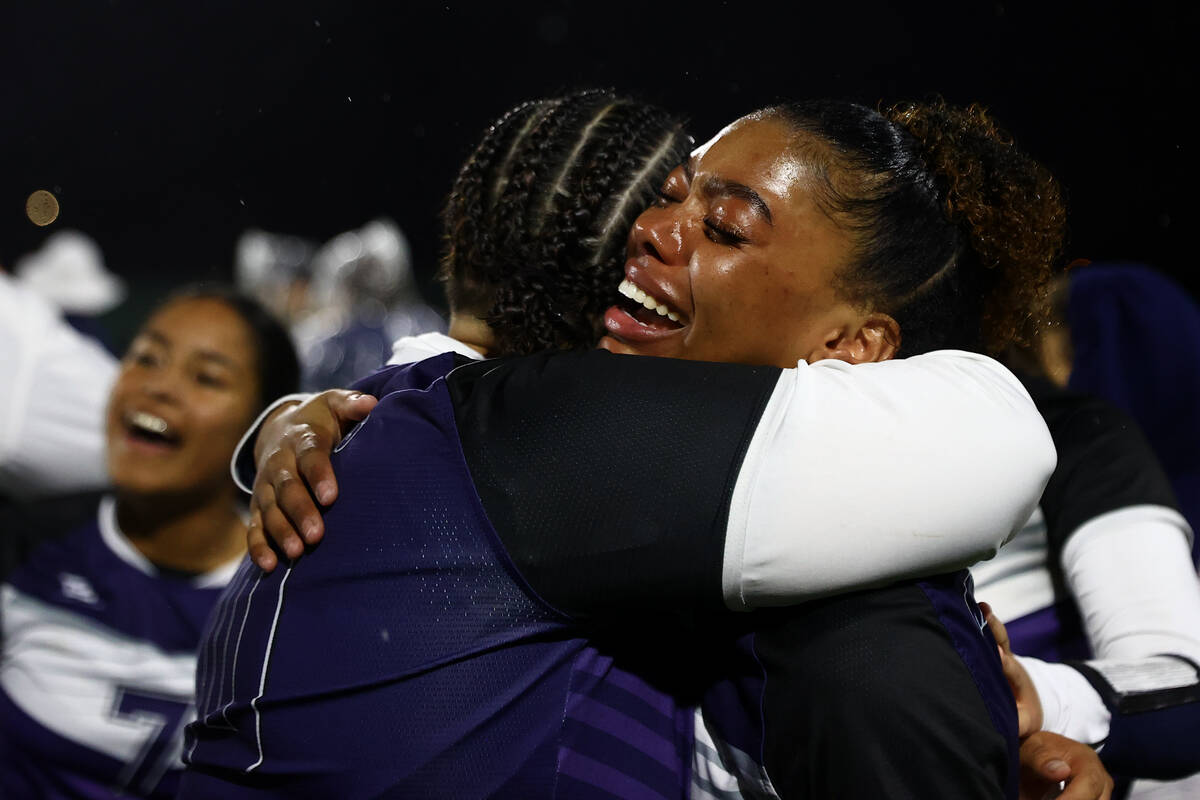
(165, 129)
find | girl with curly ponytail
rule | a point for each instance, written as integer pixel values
(918, 228)
(805, 233)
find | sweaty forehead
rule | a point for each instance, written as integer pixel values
(759, 152)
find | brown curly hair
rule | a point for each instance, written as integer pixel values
(957, 231)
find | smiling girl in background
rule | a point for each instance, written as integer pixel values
(100, 625)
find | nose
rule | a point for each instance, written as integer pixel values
(162, 385)
(662, 234)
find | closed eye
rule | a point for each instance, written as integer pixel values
(665, 198)
(721, 235)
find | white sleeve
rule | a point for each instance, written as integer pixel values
(408, 349)
(859, 475)
(1131, 574)
(1070, 706)
(56, 383)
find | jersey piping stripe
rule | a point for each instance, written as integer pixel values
(226, 667)
(221, 622)
(237, 650)
(262, 681)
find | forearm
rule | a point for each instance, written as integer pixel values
(1138, 597)
(861, 475)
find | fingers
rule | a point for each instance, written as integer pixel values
(296, 506)
(1088, 782)
(314, 428)
(1047, 759)
(1029, 704)
(348, 407)
(1089, 786)
(256, 543)
(312, 462)
(292, 454)
(999, 632)
(274, 522)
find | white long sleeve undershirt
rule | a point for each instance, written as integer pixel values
(1131, 574)
(863, 474)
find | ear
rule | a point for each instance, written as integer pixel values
(875, 337)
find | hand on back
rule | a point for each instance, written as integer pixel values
(294, 474)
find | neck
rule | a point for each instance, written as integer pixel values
(471, 331)
(190, 535)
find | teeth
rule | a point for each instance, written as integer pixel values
(630, 290)
(148, 422)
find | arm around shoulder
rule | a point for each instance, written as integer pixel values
(860, 475)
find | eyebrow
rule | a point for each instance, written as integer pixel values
(717, 186)
(207, 355)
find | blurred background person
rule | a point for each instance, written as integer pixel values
(362, 297)
(101, 619)
(1103, 570)
(276, 270)
(1130, 335)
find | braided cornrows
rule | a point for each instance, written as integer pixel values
(568, 178)
(480, 179)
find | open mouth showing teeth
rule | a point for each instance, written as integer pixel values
(150, 428)
(646, 309)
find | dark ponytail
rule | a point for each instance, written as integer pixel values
(957, 230)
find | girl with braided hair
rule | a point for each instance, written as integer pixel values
(803, 239)
(535, 226)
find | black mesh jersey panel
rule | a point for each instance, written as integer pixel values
(1104, 461)
(866, 696)
(609, 478)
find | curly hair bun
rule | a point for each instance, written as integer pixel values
(1009, 207)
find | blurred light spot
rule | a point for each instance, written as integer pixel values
(42, 208)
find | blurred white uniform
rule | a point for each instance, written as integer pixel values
(54, 384)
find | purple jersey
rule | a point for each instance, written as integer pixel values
(98, 669)
(520, 595)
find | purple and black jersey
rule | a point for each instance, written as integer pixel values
(98, 667)
(520, 595)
